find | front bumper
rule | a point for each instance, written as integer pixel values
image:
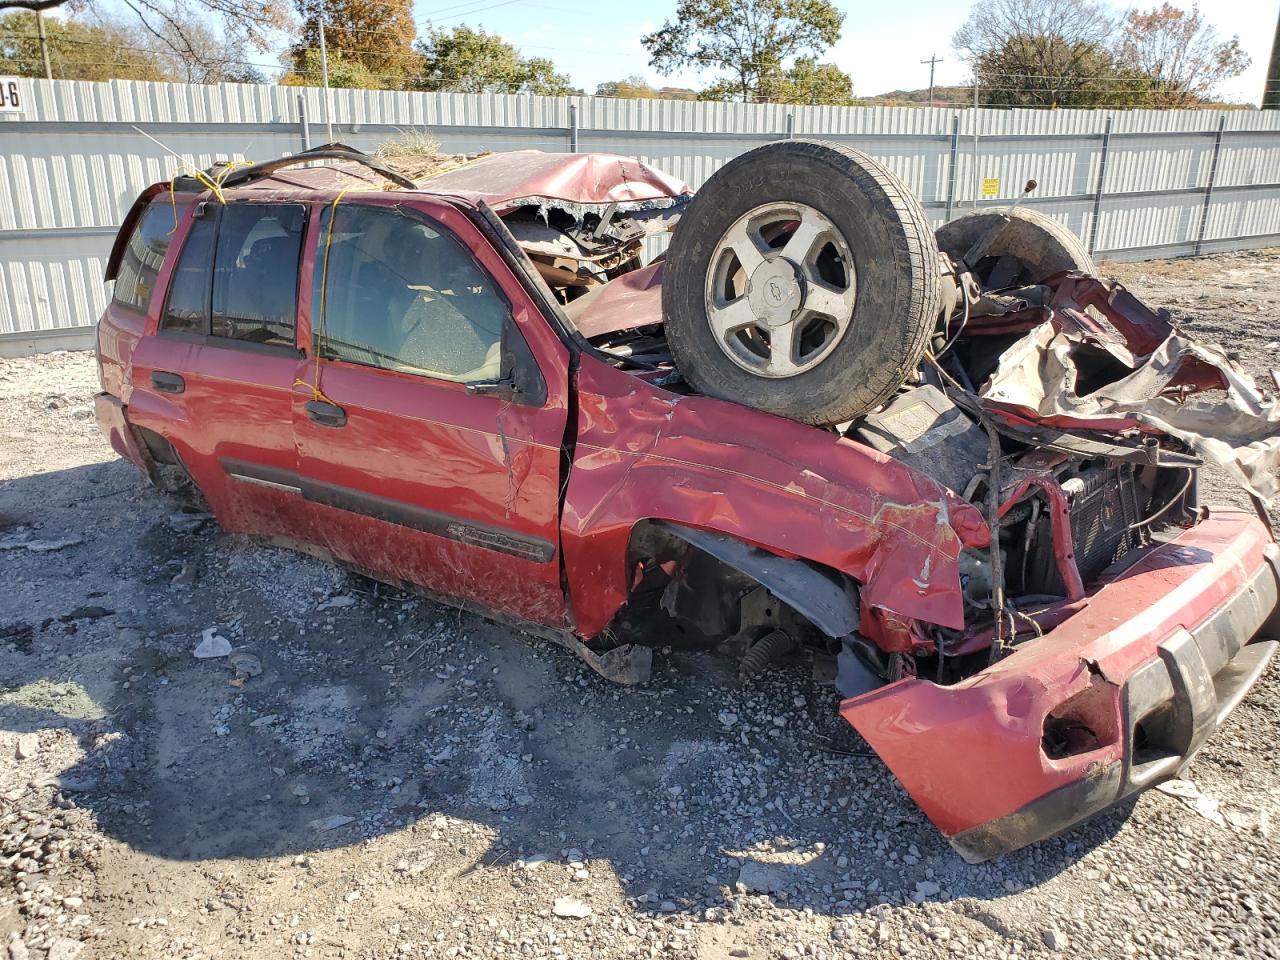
(1140, 678)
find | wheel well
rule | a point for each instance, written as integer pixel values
(725, 589)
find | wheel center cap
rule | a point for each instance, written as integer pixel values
(774, 292)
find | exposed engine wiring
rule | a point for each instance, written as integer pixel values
(964, 320)
(1176, 498)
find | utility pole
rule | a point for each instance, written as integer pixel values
(933, 59)
(1271, 92)
(324, 72)
(44, 45)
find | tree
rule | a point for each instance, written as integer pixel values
(811, 83)
(375, 36)
(78, 50)
(344, 74)
(1180, 53)
(468, 60)
(677, 93)
(1050, 72)
(750, 40)
(199, 54)
(634, 87)
(178, 29)
(1046, 53)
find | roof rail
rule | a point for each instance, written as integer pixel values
(326, 151)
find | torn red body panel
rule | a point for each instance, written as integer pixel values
(643, 453)
(110, 416)
(978, 756)
(632, 300)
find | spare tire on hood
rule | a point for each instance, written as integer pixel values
(803, 279)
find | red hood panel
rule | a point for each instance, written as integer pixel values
(507, 180)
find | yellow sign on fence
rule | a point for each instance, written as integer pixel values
(990, 187)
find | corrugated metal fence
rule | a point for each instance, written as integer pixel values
(1133, 184)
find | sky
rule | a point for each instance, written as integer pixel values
(881, 46)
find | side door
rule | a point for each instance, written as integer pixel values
(431, 446)
(215, 374)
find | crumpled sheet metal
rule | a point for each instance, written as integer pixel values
(624, 303)
(971, 752)
(568, 181)
(643, 453)
(1036, 379)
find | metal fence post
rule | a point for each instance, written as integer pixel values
(951, 166)
(1208, 190)
(302, 122)
(977, 176)
(573, 128)
(791, 126)
(1102, 183)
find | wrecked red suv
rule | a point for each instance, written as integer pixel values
(956, 468)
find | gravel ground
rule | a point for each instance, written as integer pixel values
(390, 778)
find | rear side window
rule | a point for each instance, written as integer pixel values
(188, 307)
(237, 276)
(255, 272)
(404, 295)
(143, 255)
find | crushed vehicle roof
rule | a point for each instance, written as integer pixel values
(517, 178)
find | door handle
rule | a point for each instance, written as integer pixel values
(326, 414)
(168, 382)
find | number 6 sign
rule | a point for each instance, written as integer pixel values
(10, 99)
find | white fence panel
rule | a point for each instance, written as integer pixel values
(1175, 182)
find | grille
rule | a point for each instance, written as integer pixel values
(1100, 518)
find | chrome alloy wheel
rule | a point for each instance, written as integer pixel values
(780, 289)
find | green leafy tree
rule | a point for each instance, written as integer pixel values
(79, 50)
(200, 40)
(633, 87)
(344, 74)
(368, 37)
(469, 60)
(811, 83)
(746, 41)
(1180, 53)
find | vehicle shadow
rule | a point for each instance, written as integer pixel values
(376, 714)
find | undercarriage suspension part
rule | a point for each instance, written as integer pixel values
(772, 646)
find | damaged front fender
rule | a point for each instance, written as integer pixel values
(644, 453)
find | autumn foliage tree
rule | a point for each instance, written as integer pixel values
(1180, 53)
(369, 42)
(1081, 53)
